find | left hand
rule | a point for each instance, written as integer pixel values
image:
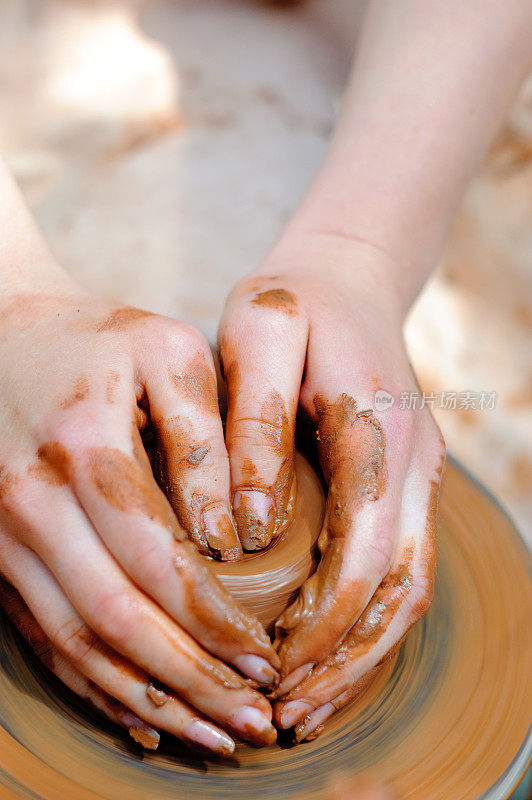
(319, 325)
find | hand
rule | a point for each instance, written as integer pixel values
(107, 587)
(317, 324)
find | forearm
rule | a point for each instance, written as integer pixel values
(26, 264)
(429, 87)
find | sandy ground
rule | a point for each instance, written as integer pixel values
(163, 144)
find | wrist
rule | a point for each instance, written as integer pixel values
(338, 267)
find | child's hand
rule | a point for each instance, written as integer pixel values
(322, 314)
(107, 576)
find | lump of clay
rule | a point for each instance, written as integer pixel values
(266, 582)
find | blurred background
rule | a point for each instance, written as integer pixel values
(162, 144)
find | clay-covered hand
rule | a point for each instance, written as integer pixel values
(317, 325)
(107, 587)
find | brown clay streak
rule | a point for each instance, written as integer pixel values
(214, 611)
(53, 465)
(122, 318)
(81, 392)
(127, 487)
(278, 434)
(157, 696)
(277, 299)
(352, 453)
(332, 673)
(196, 383)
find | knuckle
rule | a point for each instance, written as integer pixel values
(256, 430)
(194, 339)
(75, 639)
(114, 618)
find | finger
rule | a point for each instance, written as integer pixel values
(130, 623)
(192, 459)
(99, 674)
(402, 598)
(119, 494)
(358, 535)
(263, 342)
(51, 657)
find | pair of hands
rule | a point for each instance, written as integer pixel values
(100, 568)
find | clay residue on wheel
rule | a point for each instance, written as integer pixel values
(277, 299)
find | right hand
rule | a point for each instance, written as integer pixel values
(99, 574)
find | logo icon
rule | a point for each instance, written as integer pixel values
(383, 400)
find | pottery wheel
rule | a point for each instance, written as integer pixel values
(449, 720)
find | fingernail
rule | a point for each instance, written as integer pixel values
(253, 726)
(257, 668)
(220, 532)
(255, 517)
(293, 711)
(145, 736)
(205, 735)
(312, 725)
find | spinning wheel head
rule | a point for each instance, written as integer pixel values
(448, 721)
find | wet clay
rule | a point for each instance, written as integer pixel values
(429, 723)
(267, 581)
(277, 434)
(277, 299)
(352, 454)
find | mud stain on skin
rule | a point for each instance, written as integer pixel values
(352, 453)
(126, 486)
(111, 386)
(196, 383)
(7, 481)
(122, 318)
(278, 300)
(80, 392)
(341, 424)
(196, 456)
(216, 613)
(53, 464)
(332, 676)
(277, 434)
